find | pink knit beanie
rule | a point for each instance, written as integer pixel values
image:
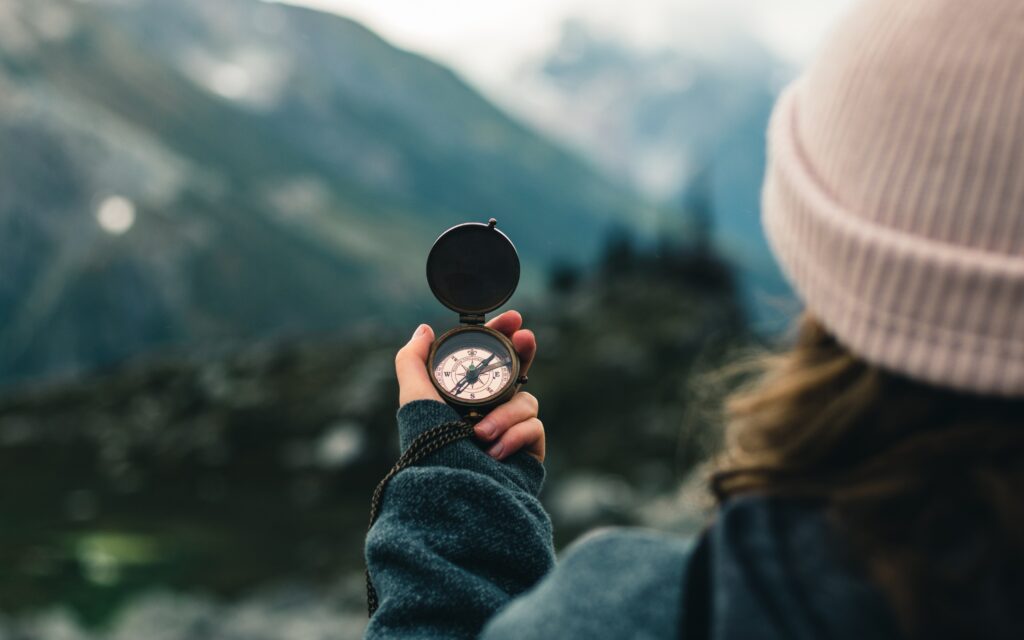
(894, 197)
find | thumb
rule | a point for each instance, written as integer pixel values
(411, 368)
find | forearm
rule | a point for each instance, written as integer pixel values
(458, 536)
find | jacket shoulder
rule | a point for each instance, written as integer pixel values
(613, 583)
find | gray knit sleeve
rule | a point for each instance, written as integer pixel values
(459, 535)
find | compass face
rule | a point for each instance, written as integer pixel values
(472, 366)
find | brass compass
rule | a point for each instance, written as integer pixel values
(473, 269)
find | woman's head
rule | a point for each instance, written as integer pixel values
(894, 198)
(894, 201)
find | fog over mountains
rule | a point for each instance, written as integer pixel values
(183, 172)
(683, 124)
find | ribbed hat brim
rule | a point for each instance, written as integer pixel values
(935, 311)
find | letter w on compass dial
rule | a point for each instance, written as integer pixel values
(473, 367)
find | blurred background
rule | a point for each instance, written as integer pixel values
(214, 219)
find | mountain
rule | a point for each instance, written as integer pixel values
(185, 172)
(685, 124)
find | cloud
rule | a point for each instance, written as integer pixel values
(487, 42)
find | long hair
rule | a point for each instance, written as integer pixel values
(926, 483)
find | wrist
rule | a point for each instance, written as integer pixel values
(419, 416)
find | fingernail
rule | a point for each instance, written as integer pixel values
(485, 430)
(495, 451)
(419, 330)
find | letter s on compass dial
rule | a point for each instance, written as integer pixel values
(474, 365)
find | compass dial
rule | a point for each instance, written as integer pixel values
(472, 366)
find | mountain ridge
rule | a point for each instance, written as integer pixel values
(287, 177)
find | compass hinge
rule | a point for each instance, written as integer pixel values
(471, 318)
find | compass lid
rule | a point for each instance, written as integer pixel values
(473, 268)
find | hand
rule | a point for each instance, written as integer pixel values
(511, 426)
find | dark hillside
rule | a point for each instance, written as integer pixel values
(228, 472)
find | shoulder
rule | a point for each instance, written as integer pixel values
(631, 553)
(776, 535)
(613, 583)
(781, 568)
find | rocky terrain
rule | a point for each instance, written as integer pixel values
(232, 487)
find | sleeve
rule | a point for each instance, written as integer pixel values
(459, 535)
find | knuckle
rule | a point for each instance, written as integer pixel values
(510, 439)
(520, 436)
(530, 400)
(498, 420)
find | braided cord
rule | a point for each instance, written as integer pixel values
(426, 443)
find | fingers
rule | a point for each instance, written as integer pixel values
(527, 436)
(521, 408)
(526, 346)
(510, 427)
(411, 368)
(507, 323)
(510, 323)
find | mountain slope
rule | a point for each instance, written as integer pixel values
(284, 171)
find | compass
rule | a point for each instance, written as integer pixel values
(473, 269)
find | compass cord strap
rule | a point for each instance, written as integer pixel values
(426, 443)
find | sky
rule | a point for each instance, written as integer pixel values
(485, 40)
